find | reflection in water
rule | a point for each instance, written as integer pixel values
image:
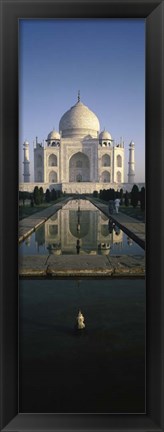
(78, 246)
(40, 236)
(79, 228)
(129, 241)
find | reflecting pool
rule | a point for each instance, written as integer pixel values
(101, 370)
(79, 228)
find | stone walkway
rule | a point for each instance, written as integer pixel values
(81, 266)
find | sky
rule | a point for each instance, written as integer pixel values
(103, 58)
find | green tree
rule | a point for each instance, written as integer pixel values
(100, 194)
(95, 194)
(47, 196)
(104, 195)
(41, 194)
(142, 198)
(53, 195)
(126, 199)
(113, 194)
(58, 194)
(36, 195)
(23, 195)
(121, 196)
(134, 196)
(32, 201)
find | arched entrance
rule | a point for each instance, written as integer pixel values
(119, 161)
(106, 160)
(79, 178)
(52, 177)
(79, 168)
(52, 160)
(118, 177)
(105, 178)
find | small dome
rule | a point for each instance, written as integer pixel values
(53, 135)
(79, 120)
(26, 142)
(105, 135)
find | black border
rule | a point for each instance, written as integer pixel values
(153, 11)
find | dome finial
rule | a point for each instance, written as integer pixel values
(78, 98)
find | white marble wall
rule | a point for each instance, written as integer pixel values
(79, 188)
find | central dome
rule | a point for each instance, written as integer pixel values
(79, 120)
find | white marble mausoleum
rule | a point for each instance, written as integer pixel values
(80, 158)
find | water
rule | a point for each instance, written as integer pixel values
(79, 228)
(101, 371)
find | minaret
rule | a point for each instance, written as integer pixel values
(26, 162)
(78, 97)
(131, 173)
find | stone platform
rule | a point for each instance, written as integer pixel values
(81, 266)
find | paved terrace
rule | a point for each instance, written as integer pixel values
(52, 266)
(94, 266)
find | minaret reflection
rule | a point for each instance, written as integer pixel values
(78, 247)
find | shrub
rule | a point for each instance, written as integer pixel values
(47, 196)
(126, 199)
(134, 196)
(36, 196)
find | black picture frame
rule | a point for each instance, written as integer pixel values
(153, 12)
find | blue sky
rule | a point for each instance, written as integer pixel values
(103, 58)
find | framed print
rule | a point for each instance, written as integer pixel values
(78, 162)
(12, 417)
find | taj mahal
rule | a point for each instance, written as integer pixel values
(80, 158)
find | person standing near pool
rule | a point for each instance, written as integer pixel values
(117, 203)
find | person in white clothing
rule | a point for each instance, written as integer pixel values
(117, 203)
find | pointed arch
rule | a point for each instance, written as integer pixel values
(52, 160)
(52, 177)
(118, 177)
(105, 177)
(79, 168)
(119, 161)
(106, 160)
